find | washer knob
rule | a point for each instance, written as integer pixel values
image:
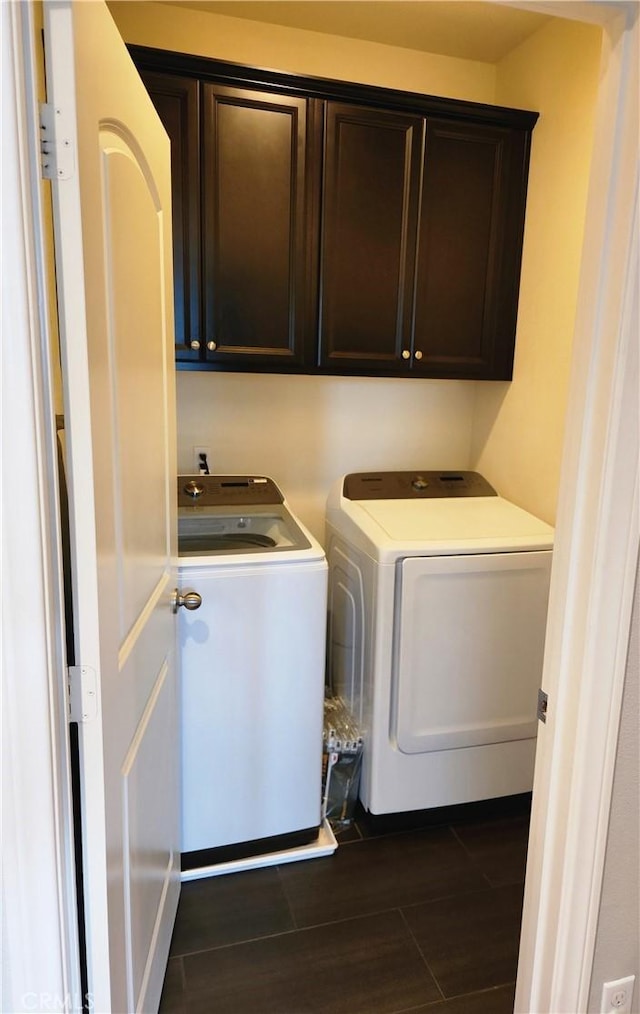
(194, 489)
(419, 482)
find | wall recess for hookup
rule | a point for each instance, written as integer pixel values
(617, 995)
(198, 468)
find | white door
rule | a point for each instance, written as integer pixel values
(470, 649)
(113, 265)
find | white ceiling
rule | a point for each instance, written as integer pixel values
(469, 29)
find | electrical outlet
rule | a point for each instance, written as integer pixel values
(617, 995)
(197, 451)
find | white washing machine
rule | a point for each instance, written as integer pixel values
(252, 670)
(438, 592)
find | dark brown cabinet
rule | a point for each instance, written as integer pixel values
(422, 233)
(177, 102)
(326, 227)
(254, 227)
(240, 228)
(371, 186)
(469, 250)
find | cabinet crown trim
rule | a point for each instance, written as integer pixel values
(223, 72)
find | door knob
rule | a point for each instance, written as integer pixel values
(189, 599)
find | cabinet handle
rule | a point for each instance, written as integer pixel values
(406, 354)
(195, 345)
(212, 346)
(417, 355)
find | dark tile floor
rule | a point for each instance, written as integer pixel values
(415, 913)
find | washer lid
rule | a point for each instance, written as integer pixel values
(469, 524)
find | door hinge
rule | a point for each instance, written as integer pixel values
(83, 693)
(543, 702)
(57, 149)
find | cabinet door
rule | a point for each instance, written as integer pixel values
(254, 228)
(176, 101)
(370, 200)
(469, 250)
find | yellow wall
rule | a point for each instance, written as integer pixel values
(301, 52)
(518, 427)
(307, 431)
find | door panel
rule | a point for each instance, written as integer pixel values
(369, 220)
(133, 221)
(469, 244)
(147, 864)
(469, 649)
(113, 265)
(254, 192)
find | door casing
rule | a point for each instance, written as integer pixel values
(560, 915)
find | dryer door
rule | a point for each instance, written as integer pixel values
(468, 649)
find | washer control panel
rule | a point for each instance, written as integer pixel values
(423, 485)
(226, 490)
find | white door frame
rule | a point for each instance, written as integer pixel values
(40, 960)
(596, 555)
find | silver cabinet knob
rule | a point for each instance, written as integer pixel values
(189, 599)
(417, 355)
(195, 345)
(212, 346)
(406, 354)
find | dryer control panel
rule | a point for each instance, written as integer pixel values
(414, 485)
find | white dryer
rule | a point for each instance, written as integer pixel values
(438, 592)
